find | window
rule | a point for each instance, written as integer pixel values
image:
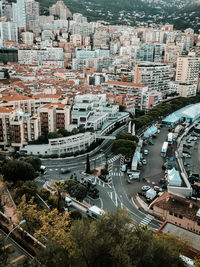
(180, 216)
(175, 214)
(170, 212)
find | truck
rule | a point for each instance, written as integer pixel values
(164, 149)
(133, 174)
(95, 212)
(170, 138)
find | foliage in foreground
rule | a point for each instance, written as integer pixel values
(112, 241)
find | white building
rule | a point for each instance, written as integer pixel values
(92, 111)
(19, 14)
(8, 31)
(59, 146)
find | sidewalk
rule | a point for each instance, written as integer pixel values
(8, 203)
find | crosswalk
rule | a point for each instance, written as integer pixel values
(101, 183)
(116, 174)
(114, 158)
(147, 220)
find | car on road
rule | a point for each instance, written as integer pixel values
(92, 181)
(146, 152)
(145, 188)
(64, 171)
(144, 161)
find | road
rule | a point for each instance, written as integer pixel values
(114, 195)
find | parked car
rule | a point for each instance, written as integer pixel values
(157, 188)
(144, 161)
(92, 181)
(145, 188)
(146, 152)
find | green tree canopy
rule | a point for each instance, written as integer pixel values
(127, 136)
(124, 147)
(114, 241)
(16, 170)
(34, 161)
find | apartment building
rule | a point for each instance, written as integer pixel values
(154, 75)
(19, 14)
(59, 9)
(187, 90)
(16, 101)
(172, 52)
(8, 31)
(146, 52)
(32, 10)
(124, 89)
(177, 210)
(17, 128)
(26, 56)
(187, 69)
(27, 38)
(54, 116)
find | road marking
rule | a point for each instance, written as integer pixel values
(17, 259)
(116, 203)
(50, 170)
(56, 169)
(147, 220)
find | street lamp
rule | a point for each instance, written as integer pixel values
(20, 223)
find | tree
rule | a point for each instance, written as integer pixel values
(29, 188)
(34, 161)
(16, 170)
(124, 147)
(78, 191)
(44, 224)
(87, 164)
(114, 241)
(60, 255)
(127, 136)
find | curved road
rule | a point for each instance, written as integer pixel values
(113, 195)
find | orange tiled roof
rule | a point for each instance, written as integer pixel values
(125, 84)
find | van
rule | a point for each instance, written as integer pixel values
(124, 167)
(43, 169)
(68, 201)
(95, 212)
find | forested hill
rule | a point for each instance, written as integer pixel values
(182, 13)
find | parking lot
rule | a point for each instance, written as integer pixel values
(152, 172)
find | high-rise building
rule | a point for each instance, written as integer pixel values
(146, 52)
(8, 31)
(32, 10)
(59, 9)
(19, 15)
(156, 75)
(187, 69)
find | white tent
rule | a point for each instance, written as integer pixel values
(174, 178)
(150, 131)
(151, 194)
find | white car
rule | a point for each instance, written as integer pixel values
(144, 161)
(146, 152)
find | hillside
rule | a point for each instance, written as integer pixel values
(182, 13)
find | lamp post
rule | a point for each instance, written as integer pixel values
(20, 223)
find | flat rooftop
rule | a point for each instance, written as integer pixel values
(193, 240)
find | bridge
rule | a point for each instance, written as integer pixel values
(108, 137)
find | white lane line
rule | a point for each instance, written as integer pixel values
(116, 202)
